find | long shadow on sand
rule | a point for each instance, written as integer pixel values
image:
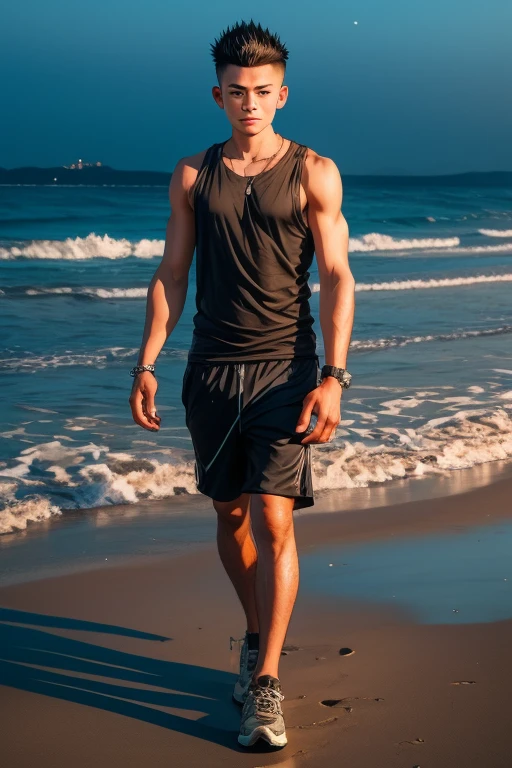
(206, 693)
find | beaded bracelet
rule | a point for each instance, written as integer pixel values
(141, 368)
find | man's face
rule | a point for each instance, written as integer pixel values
(254, 92)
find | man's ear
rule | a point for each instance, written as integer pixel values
(283, 96)
(217, 96)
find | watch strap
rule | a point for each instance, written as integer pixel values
(341, 374)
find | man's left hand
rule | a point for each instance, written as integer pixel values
(325, 401)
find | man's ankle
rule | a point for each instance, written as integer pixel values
(257, 675)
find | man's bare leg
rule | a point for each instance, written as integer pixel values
(238, 553)
(277, 575)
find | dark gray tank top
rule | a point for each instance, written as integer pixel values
(253, 253)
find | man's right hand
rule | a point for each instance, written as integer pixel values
(142, 401)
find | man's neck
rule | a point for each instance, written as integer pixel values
(243, 147)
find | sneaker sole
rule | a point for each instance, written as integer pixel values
(262, 732)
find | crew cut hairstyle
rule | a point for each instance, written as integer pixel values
(247, 45)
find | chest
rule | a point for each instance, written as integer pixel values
(277, 200)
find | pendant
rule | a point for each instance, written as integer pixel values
(248, 188)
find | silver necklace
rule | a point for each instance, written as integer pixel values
(248, 188)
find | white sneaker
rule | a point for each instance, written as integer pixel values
(262, 716)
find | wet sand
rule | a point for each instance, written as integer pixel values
(130, 665)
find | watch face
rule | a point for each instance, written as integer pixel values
(344, 377)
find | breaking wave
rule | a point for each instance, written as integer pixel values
(79, 248)
(371, 455)
(103, 246)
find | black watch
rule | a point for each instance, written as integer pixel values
(343, 376)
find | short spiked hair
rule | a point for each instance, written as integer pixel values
(247, 45)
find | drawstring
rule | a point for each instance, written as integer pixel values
(240, 390)
(240, 368)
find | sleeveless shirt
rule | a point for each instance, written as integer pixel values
(253, 253)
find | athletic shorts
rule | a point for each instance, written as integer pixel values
(242, 418)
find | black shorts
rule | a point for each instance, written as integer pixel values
(242, 418)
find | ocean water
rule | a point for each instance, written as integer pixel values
(430, 355)
(471, 582)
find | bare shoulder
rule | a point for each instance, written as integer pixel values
(188, 167)
(184, 177)
(320, 167)
(321, 178)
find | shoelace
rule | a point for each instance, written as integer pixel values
(267, 699)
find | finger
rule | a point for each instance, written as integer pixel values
(327, 432)
(153, 420)
(318, 430)
(136, 403)
(150, 409)
(143, 419)
(305, 416)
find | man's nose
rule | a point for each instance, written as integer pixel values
(249, 104)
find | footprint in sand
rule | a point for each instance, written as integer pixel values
(347, 703)
(289, 648)
(413, 741)
(318, 723)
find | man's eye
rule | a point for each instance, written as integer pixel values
(238, 93)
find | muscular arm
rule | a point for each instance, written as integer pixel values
(330, 232)
(166, 293)
(167, 290)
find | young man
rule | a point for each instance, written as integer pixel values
(255, 207)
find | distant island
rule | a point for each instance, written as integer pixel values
(82, 173)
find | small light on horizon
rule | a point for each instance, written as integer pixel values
(356, 22)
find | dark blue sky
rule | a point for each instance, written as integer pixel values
(412, 87)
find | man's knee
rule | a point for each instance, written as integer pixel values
(272, 518)
(234, 512)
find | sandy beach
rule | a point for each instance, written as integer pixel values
(361, 217)
(131, 665)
